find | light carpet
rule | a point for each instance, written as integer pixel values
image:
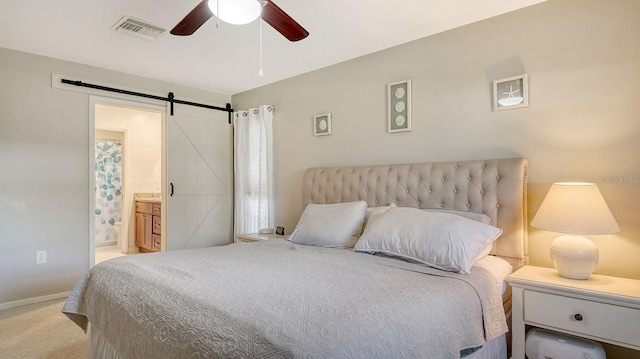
(41, 331)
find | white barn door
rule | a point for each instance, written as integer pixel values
(199, 178)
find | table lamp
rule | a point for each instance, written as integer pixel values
(574, 208)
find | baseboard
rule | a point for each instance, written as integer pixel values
(44, 298)
(106, 244)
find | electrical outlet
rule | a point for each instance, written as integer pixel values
(41, 257)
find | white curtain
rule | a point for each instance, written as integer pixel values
(253, 169)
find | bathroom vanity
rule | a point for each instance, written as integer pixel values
(148, 223)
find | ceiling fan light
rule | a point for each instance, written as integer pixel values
(236, 12)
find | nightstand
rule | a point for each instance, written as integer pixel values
(256, 237)
(602, 308)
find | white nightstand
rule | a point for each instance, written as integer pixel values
(602, 308)
(256, 237)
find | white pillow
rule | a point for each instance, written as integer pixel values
(485, 252)
(480, 217)
(330, 225)
(440, 240)
(371, 211)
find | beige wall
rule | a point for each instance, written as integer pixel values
(582, 123)
(44, 170)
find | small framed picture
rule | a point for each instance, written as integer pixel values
(322, 124)
(280, 231)
(510, 93)
(399, 106)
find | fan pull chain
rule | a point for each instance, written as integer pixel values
(218, 12)
(261, 74)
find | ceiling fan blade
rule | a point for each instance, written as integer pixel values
(198, 16)
(283, 23)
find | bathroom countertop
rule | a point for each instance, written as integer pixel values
(147, 197)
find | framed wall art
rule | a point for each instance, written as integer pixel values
(399, 106)
(510, 93)
(322, 124)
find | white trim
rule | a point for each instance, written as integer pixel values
(27, 301)
(92, 182)
(164, 178)
(134, 104)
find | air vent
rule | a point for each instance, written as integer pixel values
(138, 28)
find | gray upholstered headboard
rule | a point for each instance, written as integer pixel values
(497, 188)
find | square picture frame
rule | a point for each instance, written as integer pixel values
(322, 124)
(399, 106)
(510, 93)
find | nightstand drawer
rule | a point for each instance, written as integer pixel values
(600, 320)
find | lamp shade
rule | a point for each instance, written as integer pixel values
(575, 208)
(236, 12)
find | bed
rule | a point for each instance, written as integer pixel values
(293, 299)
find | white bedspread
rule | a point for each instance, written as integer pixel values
(276, 299)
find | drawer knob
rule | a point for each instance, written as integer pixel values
(578, 317)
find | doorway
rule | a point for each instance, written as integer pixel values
(140, 129)
(200, 160)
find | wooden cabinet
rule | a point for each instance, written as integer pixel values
(148, 224)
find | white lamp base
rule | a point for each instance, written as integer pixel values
(574, 257)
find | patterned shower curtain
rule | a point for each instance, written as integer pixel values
(108, 189)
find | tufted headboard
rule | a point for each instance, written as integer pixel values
(497, 188)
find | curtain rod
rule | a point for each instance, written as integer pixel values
(170, 98)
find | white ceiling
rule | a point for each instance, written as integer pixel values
(226, 59)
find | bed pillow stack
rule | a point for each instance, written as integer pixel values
(441, 240)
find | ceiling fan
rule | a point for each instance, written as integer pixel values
(223, 9)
